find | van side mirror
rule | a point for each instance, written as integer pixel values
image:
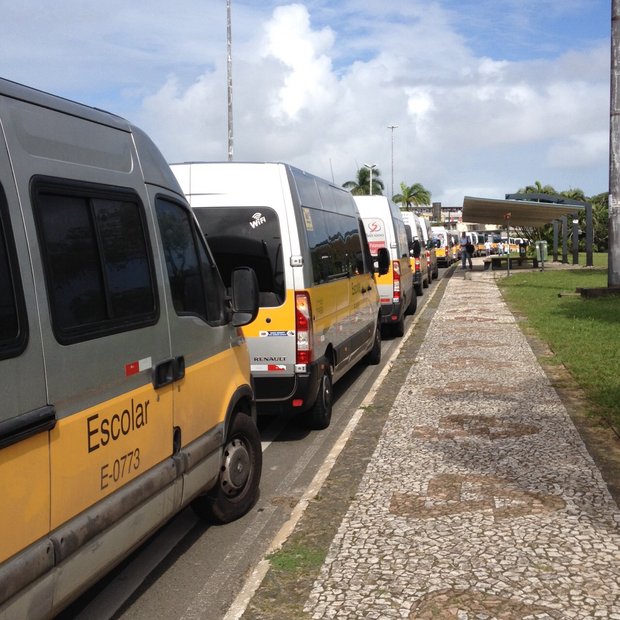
(244, 298)
(383, 261)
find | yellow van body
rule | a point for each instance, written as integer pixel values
(126, 395)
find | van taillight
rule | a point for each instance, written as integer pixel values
(303, 328)
(396, 285)
(417, 264)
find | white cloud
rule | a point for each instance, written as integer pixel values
(317, 83)
(309, 81)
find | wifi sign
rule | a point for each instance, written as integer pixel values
(257, 220)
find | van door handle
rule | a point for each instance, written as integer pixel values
(168, 371)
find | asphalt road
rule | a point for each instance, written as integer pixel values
(192, 570)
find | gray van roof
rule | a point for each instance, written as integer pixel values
(154, 166)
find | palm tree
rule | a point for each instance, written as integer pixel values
(415, 194)
(538, 188)
(574, 194)
(600, 221)
(361, 186)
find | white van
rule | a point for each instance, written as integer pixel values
(385, 229)
(126, 389)
(319, 305)
(431, 250)
(418, 254)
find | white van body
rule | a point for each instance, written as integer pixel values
(422, 275)
(385, 228)
(304, 238)
(431, 250)
(126, 387)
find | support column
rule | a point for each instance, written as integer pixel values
(589, 236)
(556, 225)
(575, 239)
(564, 239)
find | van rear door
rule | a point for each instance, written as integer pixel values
(240, 236)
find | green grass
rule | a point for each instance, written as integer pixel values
(584, 334)
(297, 558)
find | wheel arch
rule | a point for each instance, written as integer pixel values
(241, 403)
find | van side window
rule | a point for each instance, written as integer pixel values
(13, 332)
(97, 260)
(335, 244)
(247, 237)
(195, 284)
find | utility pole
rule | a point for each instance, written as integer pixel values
(613, 272)
(392, 128)
(229, 74)
(370, 167)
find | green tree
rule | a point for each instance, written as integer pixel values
(574, 194)
(415, 194)
(600, 221)
(538, 188)
(361, 185)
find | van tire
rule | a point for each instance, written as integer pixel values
(413, 305)
(236, 490)
(398, 329)
(373, 357)
(319, 415)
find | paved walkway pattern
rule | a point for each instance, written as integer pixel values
(480, 500)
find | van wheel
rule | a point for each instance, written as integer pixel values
(426, 282)
(373, 357)
(398, 329)
(320, 414)
(236, 490)
(413, 305)
(418, 290)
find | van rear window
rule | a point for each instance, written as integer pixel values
(97, 261)
(247, 237)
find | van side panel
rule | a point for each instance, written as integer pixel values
(95, 452)
(25, 493)
(24, 483)
(112, 424)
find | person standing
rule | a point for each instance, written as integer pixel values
(470, 249)
(465, 255)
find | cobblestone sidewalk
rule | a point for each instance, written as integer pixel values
(480, 500)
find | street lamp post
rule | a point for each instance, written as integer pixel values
(392, 128)
(370, 167)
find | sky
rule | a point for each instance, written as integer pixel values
(487, 96)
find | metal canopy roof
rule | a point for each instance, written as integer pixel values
(514, 212)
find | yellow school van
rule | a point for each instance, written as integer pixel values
(319, 305)
(125, 379)
(385, 229)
